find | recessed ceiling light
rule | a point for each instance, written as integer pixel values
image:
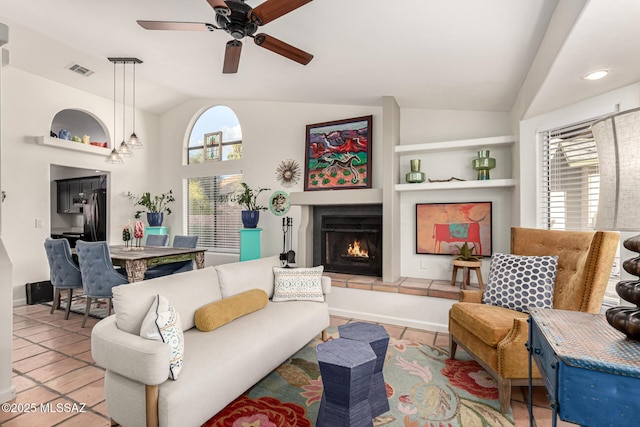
(595, 75)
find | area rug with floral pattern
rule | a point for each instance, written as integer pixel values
(425, 389)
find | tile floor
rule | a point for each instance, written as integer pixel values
(52, 364)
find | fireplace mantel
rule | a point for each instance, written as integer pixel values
(337, 197)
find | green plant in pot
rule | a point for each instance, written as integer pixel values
(466, 253)
(247, 198)
(155, 206)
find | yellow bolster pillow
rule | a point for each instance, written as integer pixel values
(218, 313)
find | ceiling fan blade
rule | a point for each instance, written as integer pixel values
(274, 9)
(176, 26)
(282, 48)
(220, 7)
(232, 57)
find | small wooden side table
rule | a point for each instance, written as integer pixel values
(466, 267)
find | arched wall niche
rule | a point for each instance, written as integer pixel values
(79, 123)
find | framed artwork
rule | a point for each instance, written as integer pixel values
(279, 203)
(442, 227)
(212, 146)
(338, 155)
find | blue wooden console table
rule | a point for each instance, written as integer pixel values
(591, 370)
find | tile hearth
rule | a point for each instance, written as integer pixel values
(404, 285)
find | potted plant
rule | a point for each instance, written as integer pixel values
(466, 253)
(247, 198)
(156, 206)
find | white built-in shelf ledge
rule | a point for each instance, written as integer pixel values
(72, 145)
(464, 144)
(456, 185)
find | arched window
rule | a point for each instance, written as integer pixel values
(215, 136)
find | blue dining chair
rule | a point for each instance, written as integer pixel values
(63, 272)
(157, 240)
(174, 267)
(98, 274)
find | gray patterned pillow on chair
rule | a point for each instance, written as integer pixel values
(519, 282)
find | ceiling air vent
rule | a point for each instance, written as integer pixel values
(77, 68)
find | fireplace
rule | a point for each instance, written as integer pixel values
(348, 239)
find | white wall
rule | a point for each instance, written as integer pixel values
(29, 103)
(422, 126)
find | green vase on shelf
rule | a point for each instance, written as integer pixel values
(483, 164)
(415, 176)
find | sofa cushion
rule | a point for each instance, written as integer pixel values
(131, 301)
(488, 323)
(162, 323)
(218, 313)
(298, 284)
(238, 277)
(519, 282)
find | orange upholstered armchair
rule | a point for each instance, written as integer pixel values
(496, 336)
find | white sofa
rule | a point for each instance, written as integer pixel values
(219, 365)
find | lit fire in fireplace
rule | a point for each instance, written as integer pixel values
(354, 250)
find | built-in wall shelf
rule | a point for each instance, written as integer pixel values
(456, 185)
(463, 144)
(72, 145)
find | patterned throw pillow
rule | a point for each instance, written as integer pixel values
(298, 284)
(519, 282)
(162, 323)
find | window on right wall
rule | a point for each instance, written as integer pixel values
(570, 186)
(570, 178)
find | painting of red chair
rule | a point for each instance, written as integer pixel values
(441, 228)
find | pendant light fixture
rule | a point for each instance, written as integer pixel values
(114, 157)
(134, 141)
(124, 149)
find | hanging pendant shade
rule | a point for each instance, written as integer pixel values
(114, 158)
(134, 141)
(125, 150)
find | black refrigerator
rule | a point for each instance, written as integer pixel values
(95, 216)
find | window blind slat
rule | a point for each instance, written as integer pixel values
(216, 222)
(569, 179)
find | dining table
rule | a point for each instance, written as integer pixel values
(136, 260)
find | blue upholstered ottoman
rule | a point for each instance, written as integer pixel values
(346, 367)
(378, 338)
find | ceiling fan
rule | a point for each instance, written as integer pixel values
(241, 20)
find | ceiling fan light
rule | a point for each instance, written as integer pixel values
(595, 75)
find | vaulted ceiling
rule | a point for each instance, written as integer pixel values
(459, 54)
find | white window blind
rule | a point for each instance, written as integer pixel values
(216, 222)
(570, 178)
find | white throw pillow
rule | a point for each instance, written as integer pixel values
(298, 284)
(162, 323)
(518, 282)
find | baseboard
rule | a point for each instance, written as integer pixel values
(399, 321)
(8, 394)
